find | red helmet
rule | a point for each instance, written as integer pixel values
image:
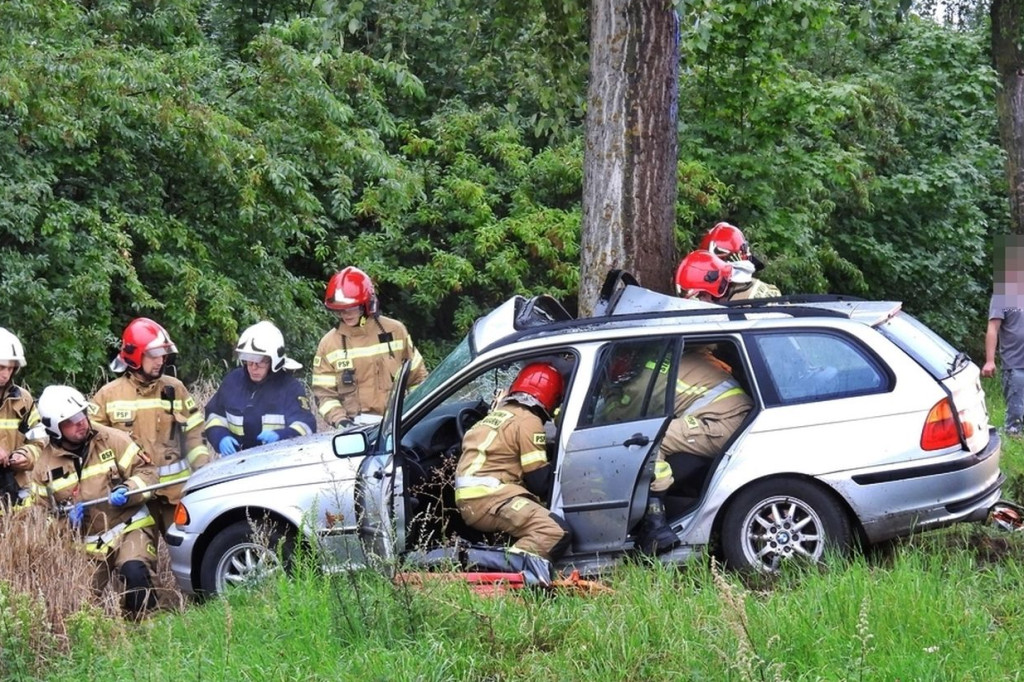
(349, 288)
(727, 242)
(542, 381)
(144, 336)
(703, 271)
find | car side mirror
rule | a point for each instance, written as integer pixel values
(350, 444)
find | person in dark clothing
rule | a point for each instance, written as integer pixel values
(259, 402)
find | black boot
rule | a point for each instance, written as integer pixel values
(655, 536)
(138, 595)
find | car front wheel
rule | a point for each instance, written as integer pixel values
(779, 520)
(245, 553)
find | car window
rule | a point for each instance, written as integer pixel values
(808, 366)
(492, 383)
(928, 348)
(630, 382)
(455, 361)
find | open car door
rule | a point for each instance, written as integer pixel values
(379, 501)
(607, 467)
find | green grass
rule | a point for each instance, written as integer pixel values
(944, 605)
(926, 611)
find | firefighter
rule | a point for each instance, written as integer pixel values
(356, 361)
(155, 409)
(705, 276)
(728, 243)
(503, 478)
(84, 462)
(258, 402)
(21, 434)
(709, 406)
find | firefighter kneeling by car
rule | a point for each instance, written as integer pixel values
(85, 462)
(504, 475)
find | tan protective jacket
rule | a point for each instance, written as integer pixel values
(20, 428)
(709, 405)
(503, 446)
(169, 429)
(355, 367)
(755, 289)
(109, 458)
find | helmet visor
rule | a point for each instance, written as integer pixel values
(76, 418)
(253, 357)
(158, 351)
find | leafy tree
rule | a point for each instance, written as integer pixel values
(1007, 47)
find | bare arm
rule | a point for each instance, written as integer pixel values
(991, 340)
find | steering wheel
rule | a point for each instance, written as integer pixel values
(465, 419)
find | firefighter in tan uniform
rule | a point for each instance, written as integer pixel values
(21, 434)
(356, 362)
(503, 477)
(705, 276)
(728, 243)
(156, 410)
(709, 406)
(85, 462)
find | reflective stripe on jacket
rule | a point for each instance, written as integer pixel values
(162, 417)
(20, 429)
(244, 409)
(109, 458)
(503, 446)
(355, 367)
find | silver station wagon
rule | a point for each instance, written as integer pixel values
(866, 426)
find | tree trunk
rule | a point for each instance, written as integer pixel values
(1008, 59)
(630, 165)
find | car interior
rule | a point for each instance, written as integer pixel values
(432, 448)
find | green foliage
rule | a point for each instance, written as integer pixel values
(857, 143)
(209, 163)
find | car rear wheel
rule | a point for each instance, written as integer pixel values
(781, 520)
(245, 553)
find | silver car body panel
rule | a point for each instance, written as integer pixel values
(864, 448)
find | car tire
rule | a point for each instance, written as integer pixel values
(245, 553)
(778, 520)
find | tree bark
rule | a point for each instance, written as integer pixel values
(630, 164)
(1008, 59)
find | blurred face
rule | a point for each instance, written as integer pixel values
(7, 370)
(350, 316)
(75, 428)
(257, 369)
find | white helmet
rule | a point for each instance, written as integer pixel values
(261, 340)
(57, 404)
(11, 349)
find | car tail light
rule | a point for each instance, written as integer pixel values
(940, 428)
(181, 517)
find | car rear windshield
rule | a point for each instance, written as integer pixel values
(929, 349)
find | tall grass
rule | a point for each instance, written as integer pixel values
(945, 605)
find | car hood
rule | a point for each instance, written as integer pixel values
(315, 449)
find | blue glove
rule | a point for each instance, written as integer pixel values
(119, 496)
(76, 515)
(228, 445)
(268, 437)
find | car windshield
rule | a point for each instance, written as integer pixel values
(455, 361)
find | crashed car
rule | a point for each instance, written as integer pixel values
(866, 426)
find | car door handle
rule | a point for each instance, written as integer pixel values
(636, 439)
